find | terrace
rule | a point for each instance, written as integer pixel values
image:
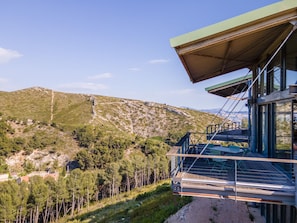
(242, 176)
(227, 132)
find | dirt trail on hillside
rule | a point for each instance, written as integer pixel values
(206, 210)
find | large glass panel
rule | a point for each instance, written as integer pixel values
(263, 147)
(291, 60)
(274, 74)
(295, 128)
(291, 78)
(262, 84)
(283, 131)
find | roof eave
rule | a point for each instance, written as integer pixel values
(205, 53)
(238, 22)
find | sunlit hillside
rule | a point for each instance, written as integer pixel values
(101, 146)
(68, 111)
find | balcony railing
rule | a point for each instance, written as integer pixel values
(245, 176)
(227, 132)
(217, 128)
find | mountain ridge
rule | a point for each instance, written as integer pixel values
(43, 122)
(67, 109)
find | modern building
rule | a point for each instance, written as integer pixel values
(264, 41)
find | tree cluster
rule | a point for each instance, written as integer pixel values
(7, 145)
(46, 200)
(10, 145)
(109, 165)
(146, 162)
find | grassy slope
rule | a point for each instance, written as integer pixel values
(154, 203)
(27, 104)
(146, 119)
(71, 109)
(116, 115)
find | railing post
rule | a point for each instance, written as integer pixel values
(295, 174)
(179, 158)
(235, 178)
(173, 164)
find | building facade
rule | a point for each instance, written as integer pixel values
(263, 41)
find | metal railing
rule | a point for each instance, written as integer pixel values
(243, 177)
(217, 128)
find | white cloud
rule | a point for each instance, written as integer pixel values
(157, 61)
(83, 86)
(100, 76)
(134, 69)
(6, 55)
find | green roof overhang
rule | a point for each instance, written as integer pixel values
(231, 87)
(236, 43)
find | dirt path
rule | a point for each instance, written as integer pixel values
(52, 106)
(206, 210)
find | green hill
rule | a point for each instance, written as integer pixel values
(118, 145)
(43, 122)
(147, 119)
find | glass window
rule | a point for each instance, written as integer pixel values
(291, 78)
(291, 60)
(274, 74)
(262, 84)
(295, 128)
(283, 131)
(263, 137)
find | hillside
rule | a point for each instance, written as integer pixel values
(49, 118)
(100, 146)
(68, 110)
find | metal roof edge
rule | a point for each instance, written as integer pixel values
(226, 83)
(233, 23)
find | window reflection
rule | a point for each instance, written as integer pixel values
(263, 147)
(283, 131)
(274, 74)
(283, 126)
(291, 61)
(262, 84)
(295, 128)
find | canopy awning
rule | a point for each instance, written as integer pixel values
(236, 43)
(231, 87)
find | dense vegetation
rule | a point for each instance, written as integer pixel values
(103, 171)
(110, 146)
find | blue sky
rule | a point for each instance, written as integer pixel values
(108, 47)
